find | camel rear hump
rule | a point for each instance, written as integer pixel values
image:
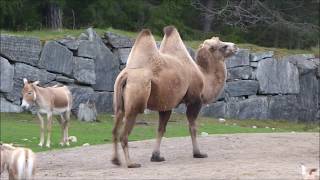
(143, 50)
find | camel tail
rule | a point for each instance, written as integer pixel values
(118, 101)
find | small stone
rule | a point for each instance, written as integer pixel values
(254, 127)
(221, 120)
(204, 134)
(86, 144)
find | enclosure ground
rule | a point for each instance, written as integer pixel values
(236, 156)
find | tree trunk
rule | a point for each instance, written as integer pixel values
(207, 22)
(54, 16)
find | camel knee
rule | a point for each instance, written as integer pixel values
(124, 141)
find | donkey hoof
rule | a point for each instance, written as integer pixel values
(116, 161)
(67, 143)
(157, 158)
(134, 165)
(48, 145)
(40, 144)
(61, 144)
(200, 155)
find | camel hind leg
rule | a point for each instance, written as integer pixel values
(115, 137)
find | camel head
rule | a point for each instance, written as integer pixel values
(218, 49)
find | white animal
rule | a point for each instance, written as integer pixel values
(20, 162)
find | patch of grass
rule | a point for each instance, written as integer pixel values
(23, 129)
(45, 35)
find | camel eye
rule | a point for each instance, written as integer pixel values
(225, 47)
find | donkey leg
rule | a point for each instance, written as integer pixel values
(129, 123)
(41, 129)
(192, 114)
(163, 120)
(49, 126)
(61, 121)
(66, 128)
(115, 137)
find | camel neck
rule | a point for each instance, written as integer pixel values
(214, 73)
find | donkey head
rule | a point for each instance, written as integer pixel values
(28, 93)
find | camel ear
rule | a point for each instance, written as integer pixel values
(25, 81)
(212, 48)
(35, 83)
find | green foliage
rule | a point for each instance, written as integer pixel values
(23, 129)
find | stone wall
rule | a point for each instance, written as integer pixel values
(258, 86)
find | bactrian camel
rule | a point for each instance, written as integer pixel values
(161, 79)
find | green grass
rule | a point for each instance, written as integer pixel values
(45, 35)
(23, 129)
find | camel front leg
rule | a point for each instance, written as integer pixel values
(163, 120)
(129, 123)
(49, 127)
(41, 129)
(192, 114)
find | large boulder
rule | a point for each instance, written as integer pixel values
(123, 54)
(241, 58)
(257, 56)
(56, 58)
(217, 109)
(6, 106)
(308, 98)
(253, 108)
(283, 107)
(20, 49)
(241, 88)
(71, 43)
(84, 70)
(15, 94)
(118, 41)
(64, 79)
(6, 75)
(304, 62)
(106, 64)
(243, 72)
(81, 94)
(277, 77)
(87, 49)
(32, 73)
(104, 101)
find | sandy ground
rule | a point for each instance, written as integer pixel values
(236, 156)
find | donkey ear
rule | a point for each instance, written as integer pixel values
(25, 81)
(35, 83)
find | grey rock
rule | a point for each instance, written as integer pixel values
(87, 49)
(83, 36)
(232, 109)
(254, 64)
(118, 41)
(283, 107)
(15, 94)
(56, 58)
(6, 75)
(104, 102)
(303, 62)
(243, 72)
(217, 109)
(84, 70)
(277, 77)
(253, 108)
(308, 98)
(81, 94)
(242, 88)
(181, 108)
(71, 44)
(241, 58)
(32, 74)
(257, 56)
(64, 79)
(123, 54)
(20, 49)
(6, 106)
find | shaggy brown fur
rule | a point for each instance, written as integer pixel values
(162, 79)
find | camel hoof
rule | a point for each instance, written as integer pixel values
(200, 155)
(157, 158)
(116, 161)
(134, 165)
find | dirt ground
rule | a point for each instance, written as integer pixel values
(236, 156)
